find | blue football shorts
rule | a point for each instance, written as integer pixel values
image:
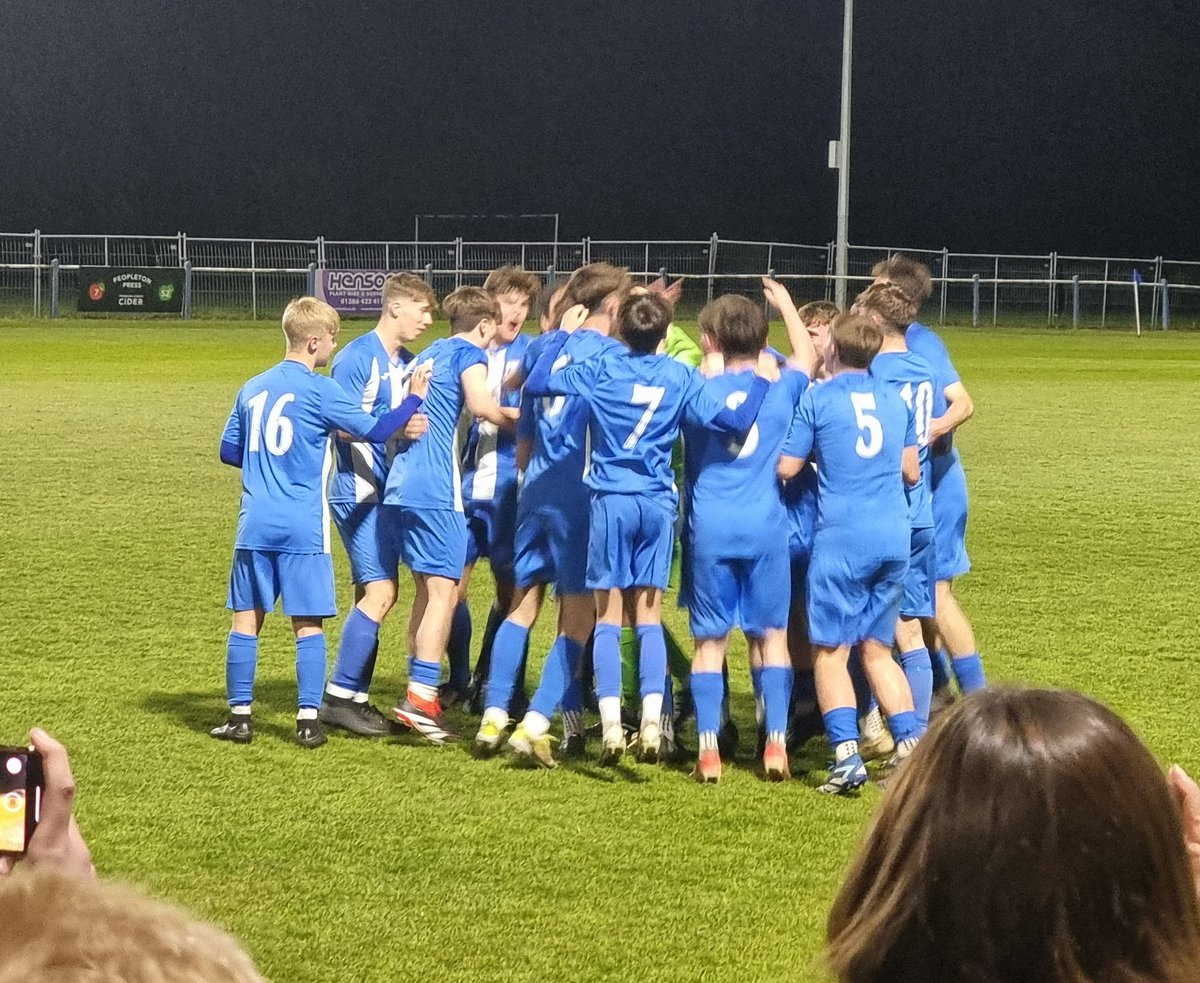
(259, 578)
(551, 545)
(950, 517)
(746, 593)
(492, 525)
(430, 541)
(852, 597)
(370, 545)
(631, 541)
(920, 581)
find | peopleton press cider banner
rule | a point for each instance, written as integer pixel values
(146, 290)
(351, 291)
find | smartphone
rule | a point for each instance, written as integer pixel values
(21, 786)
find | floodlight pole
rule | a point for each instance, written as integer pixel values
(841, 267)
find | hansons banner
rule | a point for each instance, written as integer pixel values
(147, 290)
(352, 291)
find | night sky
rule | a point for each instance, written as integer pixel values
(1008, 125)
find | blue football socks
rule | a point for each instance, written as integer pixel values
(968, 670)
(310, 669)
(919, 673)
(360, 637)
(777, 697)
(458, 647)
(241, 661)
(708, 689)
(507, 650)
(562, 665)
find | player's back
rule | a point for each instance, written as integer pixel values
(560, 458)
(279, 421)
(911, 376)
(425, 473)
(637, 403)
(490, 461)
(860, 427)
(367, 371)
(734, 503)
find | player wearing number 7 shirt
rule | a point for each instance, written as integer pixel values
(892, 310)
(636, 401)
(862, 436)
(278, 434)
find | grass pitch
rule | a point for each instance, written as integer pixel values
(366, 862)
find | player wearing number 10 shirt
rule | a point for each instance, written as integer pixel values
(636, 402)
(862, 437)
(278, 434)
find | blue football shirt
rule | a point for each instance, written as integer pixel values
(367, 371)
(282, 420)
(425, 473)
(636, 403)
(490, 462)
(857, 428)
(928, 344)
(911, 376)
(735, 509)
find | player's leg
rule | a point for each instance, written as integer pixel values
(887, 679)
(918, 603)
(253, 591)
(777, 676)
(763, 610)
(310, 679)
(307, 588)
(458, 642)
(652, 669)
(512, 639)
(434, 547)
(346, 703)
(560, 675)
(708, 692)
(959, 638)
(606, 648)
(806, 715)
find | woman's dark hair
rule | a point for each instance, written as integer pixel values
(1030, 838)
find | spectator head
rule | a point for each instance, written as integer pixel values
(1030, 837)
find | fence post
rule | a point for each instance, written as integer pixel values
(311, 286)
(712, 263)
(187, 290)
(321, 251)
(253, 283)
(829, 261)
(945, 274)
(549, 274)
(1104, 297)
(1154, 301)
(975, 300)
(54, 288)
(1166, 305)
(429, 274)
(1053, 278)
(646, 261)
(37, 272)
(587, 251)
(458, 262)
(181, 246)
(1075, 301)
(767, 303)
(996, 292)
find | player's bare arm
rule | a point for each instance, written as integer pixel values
(959, 410)
(804, 355)
(480, 401)
(789, 466)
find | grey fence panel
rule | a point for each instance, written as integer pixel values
(18, 285)
(1185, 304)
(220, 253)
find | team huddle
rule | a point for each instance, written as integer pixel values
(814, 499)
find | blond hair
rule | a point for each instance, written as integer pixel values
(512, 279)
(857, 339)
(407, 286)
(307, 317)
(910, 275)
(818, 312)
(895, 307)
(467, 306)
(60, 929)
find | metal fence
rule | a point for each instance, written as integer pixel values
(254, 278)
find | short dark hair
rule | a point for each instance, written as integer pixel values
(541, 304)
(467, 306)
(591, 285)
(857, 338)
(910, 275)
(736, 324)
(644, 320)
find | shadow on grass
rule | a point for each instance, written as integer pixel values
(201, 711)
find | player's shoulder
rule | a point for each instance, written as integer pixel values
(924, 340)
(517, 348)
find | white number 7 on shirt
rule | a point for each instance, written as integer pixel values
(649, 397)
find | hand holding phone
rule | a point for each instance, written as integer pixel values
(47, 829)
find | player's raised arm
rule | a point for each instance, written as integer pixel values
(339, 411)
(481, 402)
(539, 382)
(804, 354)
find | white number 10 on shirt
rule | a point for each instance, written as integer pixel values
(649, 397)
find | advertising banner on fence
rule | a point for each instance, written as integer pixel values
(147, 290)
(351, 291)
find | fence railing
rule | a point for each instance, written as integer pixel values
(256, 277)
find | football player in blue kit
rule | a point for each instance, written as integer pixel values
(893, 310)
(553, 515)
(424, 492)
(490, 480)
(636, 401)
(861, 435)
(733, 519)
(953, 406)
(278, 435)
(376, 369)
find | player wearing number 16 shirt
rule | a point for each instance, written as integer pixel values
(278, 435)
(862, 437)
(636, 401)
